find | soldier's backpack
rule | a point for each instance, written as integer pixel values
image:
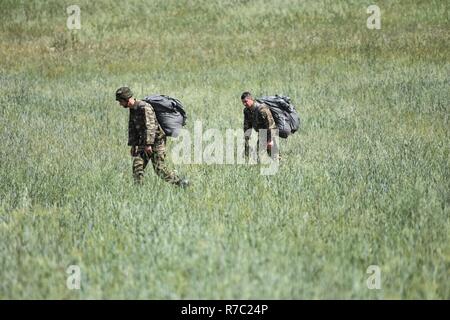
(284, 114)
(170, 113)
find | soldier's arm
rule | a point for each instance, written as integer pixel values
(247, 133)
(269, 122)
(247, 125)
(151, 125)
(132, 133)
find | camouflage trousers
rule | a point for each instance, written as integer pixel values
(157, 158)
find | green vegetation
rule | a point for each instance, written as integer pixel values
(365, 182)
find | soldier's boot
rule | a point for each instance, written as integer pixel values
(183, 183)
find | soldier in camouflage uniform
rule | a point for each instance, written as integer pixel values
(146, 138)
(258, 116)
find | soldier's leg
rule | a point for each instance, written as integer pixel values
(263, 147)
(258, 158)
(139, 163)
(158, 158)
(260, 147)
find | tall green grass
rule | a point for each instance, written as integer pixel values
(365, 182)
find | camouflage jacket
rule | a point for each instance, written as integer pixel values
(258, 117)
(143, 127)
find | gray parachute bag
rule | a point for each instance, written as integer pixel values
(170, 113)
(284, 114)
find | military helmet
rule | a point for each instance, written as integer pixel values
(123, 93)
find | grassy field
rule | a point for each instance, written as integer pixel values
(365, 182)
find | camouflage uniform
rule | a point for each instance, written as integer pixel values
(259, 117)
(144, 130)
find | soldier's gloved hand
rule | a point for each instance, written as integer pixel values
(148, 150)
